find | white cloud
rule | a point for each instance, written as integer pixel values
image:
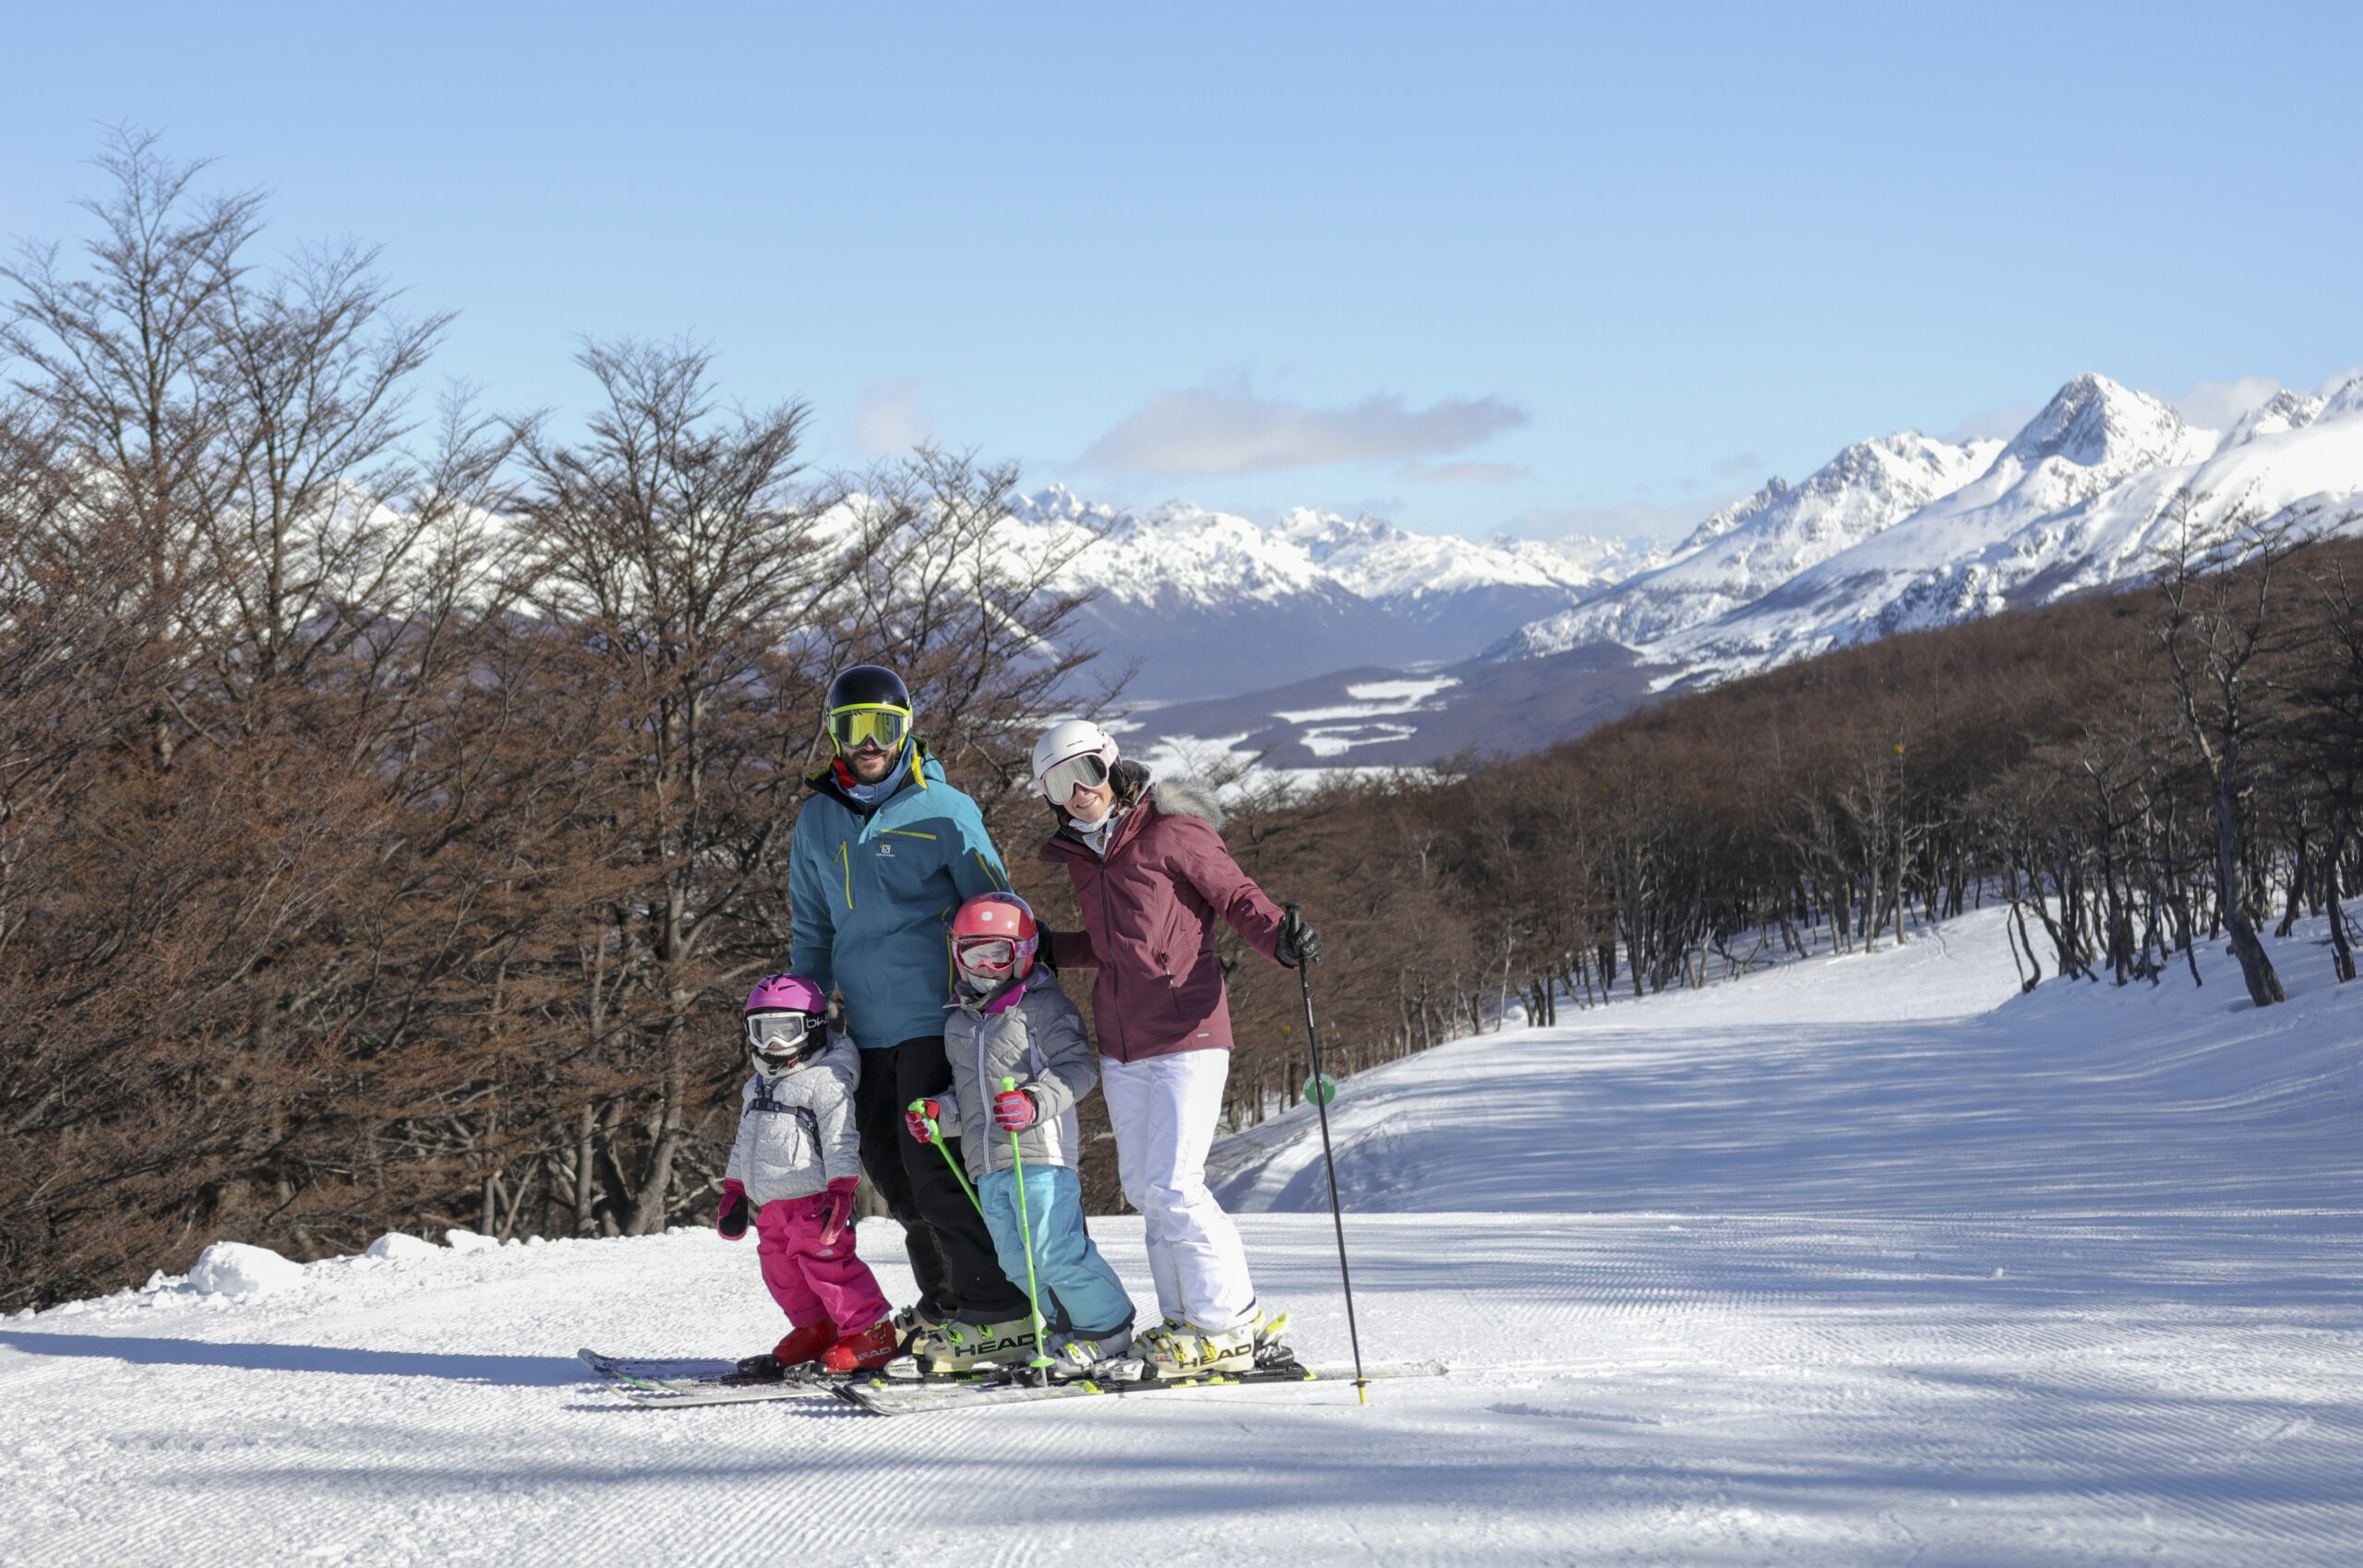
(2219, 405)
(1742, 465)
(888, 421)
(1461, 472)
(1206, 431)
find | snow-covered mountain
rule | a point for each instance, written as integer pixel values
(1211, 604)
(1752, 546)
(2082, 498)
(1897, 533)
(1905, 532)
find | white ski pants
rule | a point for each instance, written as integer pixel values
(1164, 1109)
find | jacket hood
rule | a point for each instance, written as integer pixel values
(1187, 797)
(1172, 797)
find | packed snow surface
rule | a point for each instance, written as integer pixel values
(1864, 1259)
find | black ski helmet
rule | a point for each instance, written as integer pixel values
(867, 685)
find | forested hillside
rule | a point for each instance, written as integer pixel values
(394, 799)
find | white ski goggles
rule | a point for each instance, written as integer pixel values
(1062, 779)
(986, 955)
(776, 1034)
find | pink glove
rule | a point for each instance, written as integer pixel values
(836, 1210)
(1014, 1111)
(919, 1115)
(731, 1218)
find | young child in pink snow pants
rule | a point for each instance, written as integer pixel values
(794, 1168)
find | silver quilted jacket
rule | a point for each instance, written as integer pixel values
(1040, 1042)
(796, 1132)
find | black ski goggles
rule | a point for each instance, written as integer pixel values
(850, 727)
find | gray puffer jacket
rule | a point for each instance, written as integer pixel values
(796, 1132)
(1037, 1039)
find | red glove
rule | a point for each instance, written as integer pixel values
(836, 1210)
(731, 1217)
(1014, 1111)
(918, 1116)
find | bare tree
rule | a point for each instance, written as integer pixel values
(2214, 624)
(674, 552)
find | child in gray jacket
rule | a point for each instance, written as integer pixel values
(1013, 1021)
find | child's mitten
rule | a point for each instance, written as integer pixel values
(731, 1217)
(836, 1210)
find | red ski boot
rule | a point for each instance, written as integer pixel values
(809, 1343)
(873, 1347)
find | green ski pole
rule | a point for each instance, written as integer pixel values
(935, 1136)
(1040, 1361)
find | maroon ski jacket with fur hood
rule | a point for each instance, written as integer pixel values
(1149, 907)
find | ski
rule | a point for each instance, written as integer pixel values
(886, 1397)
(687, 1382)
(704, 1382)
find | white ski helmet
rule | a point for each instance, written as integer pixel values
(1064, 742)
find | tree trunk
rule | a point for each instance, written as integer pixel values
(2256, 968)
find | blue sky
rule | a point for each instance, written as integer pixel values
(1472, 267)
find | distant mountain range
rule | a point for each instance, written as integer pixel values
(1328, 642)
(1209, 604)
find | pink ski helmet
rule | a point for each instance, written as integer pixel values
(786, 1023)
(994, 939)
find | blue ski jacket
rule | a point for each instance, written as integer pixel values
(872, 886)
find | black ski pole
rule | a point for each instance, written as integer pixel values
(1321, 1103)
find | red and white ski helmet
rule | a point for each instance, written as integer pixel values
(994, 937)
(1064, 742)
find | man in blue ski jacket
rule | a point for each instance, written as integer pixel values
(885, 851)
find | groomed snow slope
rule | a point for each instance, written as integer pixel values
(1865, 1260)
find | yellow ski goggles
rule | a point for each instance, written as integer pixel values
(849, 727)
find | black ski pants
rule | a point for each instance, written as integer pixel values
(951, 1252)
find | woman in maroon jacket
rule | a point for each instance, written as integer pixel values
(1149, 868)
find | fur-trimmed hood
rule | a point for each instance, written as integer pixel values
(1187, 797)
(1173, 797)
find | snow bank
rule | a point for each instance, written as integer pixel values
(397, 1246)
(234, 1268)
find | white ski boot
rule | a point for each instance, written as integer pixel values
(956, 1347)
(1076, 1356)
(1185, 1350)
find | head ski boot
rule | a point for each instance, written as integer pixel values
(956, 1347)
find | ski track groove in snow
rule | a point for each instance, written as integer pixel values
(1867, 1261)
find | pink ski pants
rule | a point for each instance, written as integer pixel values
(810, 1281)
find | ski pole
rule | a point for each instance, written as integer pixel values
(1321, 1103)
(1026, 1228)
(935, 1136)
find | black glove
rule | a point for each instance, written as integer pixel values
(1299, 943)
(731, 1217)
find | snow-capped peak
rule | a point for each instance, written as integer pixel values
(1754, 546)
(2093, 423)
(2285, 411)
(2348, 400)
